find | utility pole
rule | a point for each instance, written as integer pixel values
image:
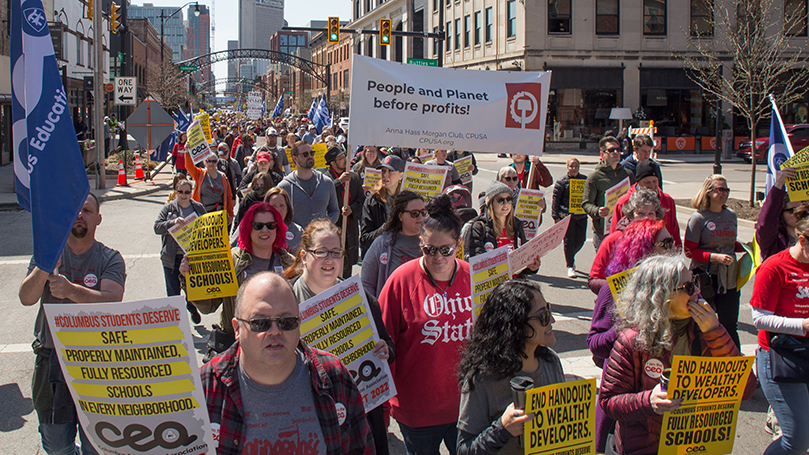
(98, 95)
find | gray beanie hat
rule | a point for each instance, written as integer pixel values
(496, 188)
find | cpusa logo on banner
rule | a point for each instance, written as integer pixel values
(522, 109)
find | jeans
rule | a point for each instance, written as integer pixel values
(172, 277)
(574, 238)
(727, 311)
(427, 440)
(60, 439)
(790, 402)
(598, 237)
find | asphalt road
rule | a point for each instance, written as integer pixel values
(127, 226)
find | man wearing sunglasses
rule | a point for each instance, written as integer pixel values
(311, 193)
(269, 381)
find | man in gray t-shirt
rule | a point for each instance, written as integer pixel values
(88, 272)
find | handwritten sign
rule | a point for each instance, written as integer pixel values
(320, 156)
(529, 211)
(611, 197)
(424, 179)
(253, 105)
(132, 370)
(538, 246)
(565, 418)
(197, 145)
(619, 281)
(372, 177)
(798, 188)
(462, 165)
(339, 321)
(212, 274)
(575, 197)
(487, 270)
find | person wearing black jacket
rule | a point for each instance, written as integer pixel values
(456, 155)
(336, 159)
(577, 230)
(379, 203)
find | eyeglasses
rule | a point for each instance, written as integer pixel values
(666, 244)
(262, 325)
(505, 200)
(544, 316)
(306, 154)
(321, 254)
(690, 287)
(789, 210)
(722, 190)
(212, 161)
(510, 179)
(415, 213)
(445, 251)
(612, 150)
(271, 225)
(183, 192)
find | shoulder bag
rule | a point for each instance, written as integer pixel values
(789, 358)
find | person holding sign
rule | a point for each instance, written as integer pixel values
(662, 316)
(779, 309)
(777, 210)
(511, 338)
(172, 214)
(378, 204)
(563, 205)
(440, 159)
(316, 269)
(607, 175)
(269, 381)
(427, 309)
(211, 187)
(369, 157)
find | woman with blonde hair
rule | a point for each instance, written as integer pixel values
(710, 242)
(379, 204)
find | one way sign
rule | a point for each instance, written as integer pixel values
(126, 91)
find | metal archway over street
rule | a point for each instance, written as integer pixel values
(318, 71)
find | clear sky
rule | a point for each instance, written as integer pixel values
(225, 16)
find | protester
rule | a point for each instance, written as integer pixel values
(777, 210)
(368, 158)
(211, 187)
(178, 152)
(281, 162)
(779, 310)
(710, 242)
(262, 183)
(542, 176)
(230, 168)
(311, 135)
(87, 272)
(473, 168)
(606, 175)
(511, 337)
(316, 269)
(643, 145)
(269, 381)
(509, 176)
(174, 181)
(243, 148)
(398, 243)
(266, 164)
(171, 255)
(427, 341)
(440, 159)
(311, 192)
(661, 316)
(577, 229)
(336, 160)
(378, 205)
(279, 199)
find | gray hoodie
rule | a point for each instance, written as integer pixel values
(383, 257)
(321, 204)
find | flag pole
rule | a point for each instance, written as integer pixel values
(98, 94)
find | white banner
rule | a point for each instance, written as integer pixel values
(253, 105)
(442, 108)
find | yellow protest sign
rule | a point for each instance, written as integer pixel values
(565, 418)
(197, 145)
(711, 389)
(800, 158)
(576, 193)
(320, 156)
(462, 165)
(427, 180)
(487, 270)
(372, 176)
(619, 281)
(212, 274)
(205, 122)
(529, 211)
(183, 232)
(798, 188)
(611, 197)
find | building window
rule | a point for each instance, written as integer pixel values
(489, 22)
(466, 27)
(654, 17)
(79, 51)
(435, 5)
(511, 25)
(477, 28)
(435, 42)
(607, 17)
(449, 36)
(559, 17)
(457, 34)
(356, 9)
(795, 17)
(367, 6)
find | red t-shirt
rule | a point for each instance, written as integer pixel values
(503, 240)
(428, 331)
(782, 286)
(177, 152)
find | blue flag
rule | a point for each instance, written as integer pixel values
(182, 120)
(162, 151)
(322, 118)
(312, 110)
(780, 148)
(278, 107)
(48, 166)
(263, 107)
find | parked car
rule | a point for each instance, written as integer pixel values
(798, 137)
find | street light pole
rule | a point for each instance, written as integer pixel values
(98, 97)
(163, 18)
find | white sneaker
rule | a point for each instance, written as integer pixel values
(571, 272)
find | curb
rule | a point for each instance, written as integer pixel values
(13, 206)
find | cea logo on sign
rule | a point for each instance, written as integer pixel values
(522, 106)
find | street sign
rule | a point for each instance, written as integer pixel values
(188, 68)
(109, 87)
(149, 124)
(126, 91)
(423, 61)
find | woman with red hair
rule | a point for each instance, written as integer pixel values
(643, 237)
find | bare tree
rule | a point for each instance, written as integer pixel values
(167, 85)
(740, 53)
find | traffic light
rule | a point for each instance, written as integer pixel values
(90, 9)
(115, 17)
(334, 29)
(384, 32)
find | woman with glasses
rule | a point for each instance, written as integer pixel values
(508, 175)
(511, 338)
(211, 188)
(398, 244)
(171, 255)
(379, 203)
(661, 316)
(777, 210)
(427, 309)
(279, 198)
(643, 237)
(497, 226)
(710, 242)
(317, 268)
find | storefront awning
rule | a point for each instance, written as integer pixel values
(665, 78)
(587, 77)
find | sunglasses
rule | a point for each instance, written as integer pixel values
(722, 190)
(505, 200)
(690, 287)
(271, 225)
(445, 251)
(183, 191)
(510, 179)
(262, 325)
(612, 150)
(544, 316)
(212, 161)
(321, 254)
(415, 213)
(789, 210)
(306, 154)
(666, 244)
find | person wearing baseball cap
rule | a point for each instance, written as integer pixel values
(340, 175)
(265, 163)
(379, 203)
(311, 134)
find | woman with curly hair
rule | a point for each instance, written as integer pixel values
(661, 315)
(510, 338)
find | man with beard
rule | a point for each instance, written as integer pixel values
(336, 159)
(88, 272)
(311, 193)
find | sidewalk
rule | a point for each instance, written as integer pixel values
(585, 157)
(136, 188)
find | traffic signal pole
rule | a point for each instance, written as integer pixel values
(98, 96)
